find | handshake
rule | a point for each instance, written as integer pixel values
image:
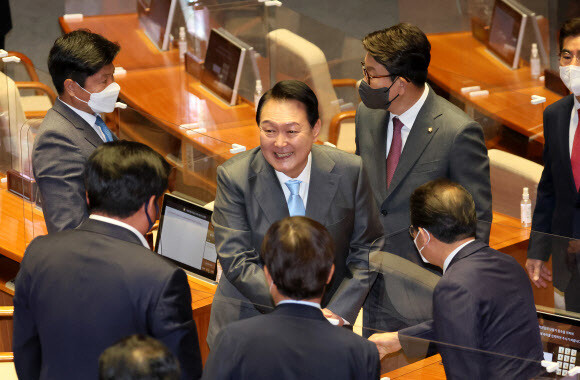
(387, 343)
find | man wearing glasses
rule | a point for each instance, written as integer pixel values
(557, 209)
(407, 135)
(289, 176)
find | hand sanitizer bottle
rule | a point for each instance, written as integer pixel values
(182, 44)
(526, 209)
(535, 61)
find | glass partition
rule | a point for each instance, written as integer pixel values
(101, 7)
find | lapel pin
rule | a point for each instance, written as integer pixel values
(429, 129)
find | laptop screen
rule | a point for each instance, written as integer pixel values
(186, 236)
(561, 341)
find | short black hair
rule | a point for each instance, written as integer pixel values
(570, 28)
(445, 209)
(138, 357)
(121, 176)
(403, 49)
(292, 90)
(299, 253)
(78, 55)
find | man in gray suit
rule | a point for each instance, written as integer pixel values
(407, 135)
(81, 67)
(286, 176)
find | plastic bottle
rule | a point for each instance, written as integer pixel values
(535, 61)
(526, 209)
(182, 44)
(257, 93)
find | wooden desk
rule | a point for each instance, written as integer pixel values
(458, 60)
(430, 368)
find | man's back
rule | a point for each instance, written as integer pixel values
(80, 291)
(293, 342)
(484, 301)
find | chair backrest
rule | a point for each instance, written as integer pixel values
(509, 175)
(293, 57)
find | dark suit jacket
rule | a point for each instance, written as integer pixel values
(63, 144)
(443, 142)
(557, 209)
(292, 342)
(80, 291)
(249, 199)
(484, 301)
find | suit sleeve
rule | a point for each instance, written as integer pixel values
(171, 322)
(457, 333)
(58, 170)
(469, 167)
(240, 261)
(366, 238)
(222, 363)
(539, 247)
(26, 341)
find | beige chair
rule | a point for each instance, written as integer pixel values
(509, 175)
(293, 57)
(36, 105)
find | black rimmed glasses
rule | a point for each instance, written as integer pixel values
(368, 77)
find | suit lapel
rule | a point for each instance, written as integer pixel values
(267, 190)
(78, 122)
(418, 139)
(323, 185)
(563, 125)
(379, 134)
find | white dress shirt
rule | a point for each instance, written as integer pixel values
(312, 304)
(573, 124)
(89, 118)
(407, 118)
(116, 222)
(453, 253)
(304, 177)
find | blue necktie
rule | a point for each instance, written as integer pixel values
(106, 131)
(295, 204)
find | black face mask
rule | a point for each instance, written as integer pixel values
(376, 98)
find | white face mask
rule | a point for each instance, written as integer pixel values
(421, 249)
(570, 75)
(105, 100)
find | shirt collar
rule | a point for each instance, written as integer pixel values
(576, 104)
(116, 222)
(89, 118)
(304, 176)
(408, 117)
(453, 253)
(307, 303)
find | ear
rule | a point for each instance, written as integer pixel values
(69, 87)
(267, 274)
(330, 274)
(316, 129)
(151, 206)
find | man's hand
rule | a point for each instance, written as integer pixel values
(328, 314)
(538, 272)
(386, 342)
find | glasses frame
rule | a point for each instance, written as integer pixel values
(368, 77)
(573, 56)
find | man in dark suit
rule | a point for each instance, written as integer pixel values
(294, 341)
(79, 291)
(407, 135)
(556, 220)
(484, 318)
(285, 176)
(81, 66)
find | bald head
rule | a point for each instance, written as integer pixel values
(444, 208)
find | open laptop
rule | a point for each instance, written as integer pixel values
(560, 340)
(186, 237)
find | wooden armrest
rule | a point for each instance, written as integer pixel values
(6, 311)
(37, 86)
(334, 128)
(27, 65)
(345, 82)
(6, 357)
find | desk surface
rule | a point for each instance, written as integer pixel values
(430, 368)
(458, 60)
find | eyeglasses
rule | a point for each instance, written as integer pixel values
(566, 58)
(412, 231)
(368, 77)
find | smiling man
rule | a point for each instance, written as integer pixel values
(287, 176)
(81, 67)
